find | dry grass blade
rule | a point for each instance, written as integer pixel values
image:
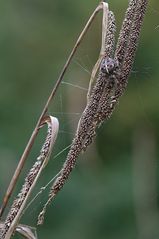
(102, 50)
(24, 230)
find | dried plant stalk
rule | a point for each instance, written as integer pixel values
(110, 85)
(114, 70)
(16, 210)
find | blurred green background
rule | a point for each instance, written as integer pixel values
(114, 190)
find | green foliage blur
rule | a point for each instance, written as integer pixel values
(113, 191)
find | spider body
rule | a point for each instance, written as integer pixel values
(108, 68)
(109, 65)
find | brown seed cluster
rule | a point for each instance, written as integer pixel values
(110, 85)
(128, 42)
(110, 35)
